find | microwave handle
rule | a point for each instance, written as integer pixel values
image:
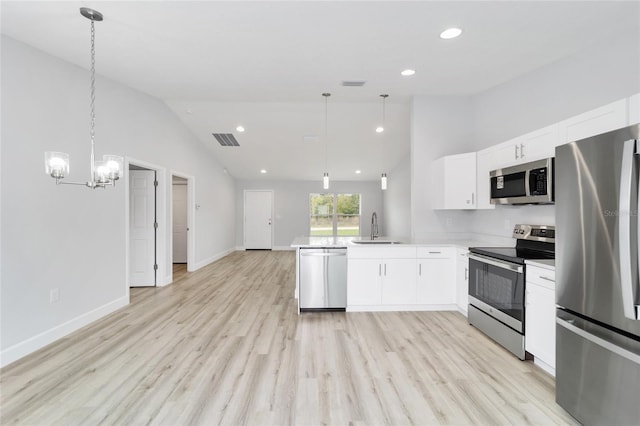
(624, 230)
(527, 183)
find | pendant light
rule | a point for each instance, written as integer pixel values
(110, 169)
(325, 176)
(380, 129)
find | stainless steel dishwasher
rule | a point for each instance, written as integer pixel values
(323, 279)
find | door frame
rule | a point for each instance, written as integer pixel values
(161, 215)
(191, 221)
(244, 215)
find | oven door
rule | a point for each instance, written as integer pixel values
(496, 287)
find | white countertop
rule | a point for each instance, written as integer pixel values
(451, 240)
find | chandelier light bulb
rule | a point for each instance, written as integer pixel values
(379, 129)
(383, 182)
(325, 180)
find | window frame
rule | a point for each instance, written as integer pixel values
(334, 211)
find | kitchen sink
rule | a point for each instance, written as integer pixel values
(376, 242)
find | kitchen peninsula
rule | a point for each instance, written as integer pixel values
(400, 274)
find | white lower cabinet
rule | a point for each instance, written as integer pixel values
(399, 281)
(364, 282)
(462, 279)
(436, 276)
(401, 278)
(540, 316)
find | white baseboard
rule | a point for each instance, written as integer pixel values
(41, 340)
(273, 248)
(212, 259)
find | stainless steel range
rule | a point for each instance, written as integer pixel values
(497, 284)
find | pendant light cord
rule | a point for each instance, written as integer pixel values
(93, 98)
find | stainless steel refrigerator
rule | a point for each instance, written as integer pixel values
(597, 293)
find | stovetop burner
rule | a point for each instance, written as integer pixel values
(532, 242)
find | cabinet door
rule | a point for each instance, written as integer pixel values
(399, 282)
(507, 154)
(634, 109)
(454, 179)
(363, 282)
(600, 120)
(460, 181)
(540, 327)
(540, 144)
(436, 284)
(462, 279)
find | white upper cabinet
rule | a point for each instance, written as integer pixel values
(600, 120)
(634, 109)
(454, 182)
(530, 147)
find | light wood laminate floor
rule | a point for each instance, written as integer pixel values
(225, 345)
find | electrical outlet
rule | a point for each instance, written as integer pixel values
(507, 224)
(54, 295)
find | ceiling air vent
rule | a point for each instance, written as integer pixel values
(353, 83)
(226, 139)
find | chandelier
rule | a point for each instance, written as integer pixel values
(110, 169)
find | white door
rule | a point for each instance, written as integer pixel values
(258, 207)
(142, 216)
(179, 223)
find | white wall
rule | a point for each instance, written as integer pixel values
(397, 201)
(73, 238)
(609, 71)
(291, 206)
(439, 126)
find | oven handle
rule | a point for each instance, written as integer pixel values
(499, 264)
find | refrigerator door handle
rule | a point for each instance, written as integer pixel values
(631, 356)
(624, 230)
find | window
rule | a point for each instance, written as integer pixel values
(334, 214)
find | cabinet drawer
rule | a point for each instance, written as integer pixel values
(434, 252)
(540, 276)
(387, 252)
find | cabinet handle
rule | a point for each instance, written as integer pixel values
(521, 150)
(420, 269)
(466, 273)
(379, 269)
(517, 152)
(385, 269)
(435, 252)
(547, 279)
(473, 198)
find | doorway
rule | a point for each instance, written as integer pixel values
(258, 214)
(143, 226)
(180, 225)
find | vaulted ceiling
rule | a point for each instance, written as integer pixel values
(264, 65)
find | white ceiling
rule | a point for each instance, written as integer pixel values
(265, 65)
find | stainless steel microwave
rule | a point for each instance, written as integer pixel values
(528, 183)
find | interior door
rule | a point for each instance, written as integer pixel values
(142, 235)
(258, 208)
(180, 223)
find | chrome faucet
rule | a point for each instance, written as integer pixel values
(374, 226)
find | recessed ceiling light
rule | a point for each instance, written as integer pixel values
(240, 129)
(408, 72)
(450, 33)
(379, 129)
(263, 171)
(358, 172)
